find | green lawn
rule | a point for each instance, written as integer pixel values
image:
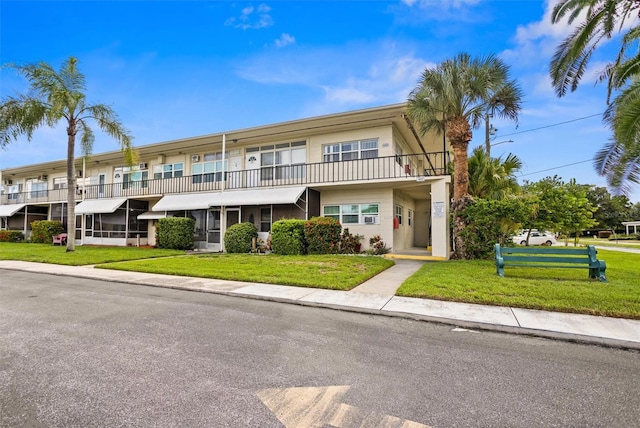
(336, 272)
(564, 290)
(608, 243)
(83, 255)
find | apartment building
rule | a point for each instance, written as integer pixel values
(368, 168)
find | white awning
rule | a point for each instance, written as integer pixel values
(280, 195)
(99, 206)
(150, 215)
(186, 201)
(9, 210)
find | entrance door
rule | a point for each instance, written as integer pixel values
(252, 165)
(102, 180)
(88, 225)
(213, 230)
(233, 216)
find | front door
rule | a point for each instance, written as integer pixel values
(213, 230)
(233, 216)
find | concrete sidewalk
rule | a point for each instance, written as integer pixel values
(376, 296)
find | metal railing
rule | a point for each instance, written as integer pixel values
(358, 170)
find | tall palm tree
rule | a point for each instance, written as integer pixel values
(453, 98)
(619, 160)
(54, 96)
(492, 178)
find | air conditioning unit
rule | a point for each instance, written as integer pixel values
(143, 165)
(8, 182)
(369, 219)
(43, 178)
(195, 158)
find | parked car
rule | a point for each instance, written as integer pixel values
(536, 238)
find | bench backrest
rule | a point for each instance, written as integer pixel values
(584, 255)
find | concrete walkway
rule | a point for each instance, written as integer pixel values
(376, 296)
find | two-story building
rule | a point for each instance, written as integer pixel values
(369, 169)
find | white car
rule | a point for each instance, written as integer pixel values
(536, 238)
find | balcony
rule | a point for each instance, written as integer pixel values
(351, 171)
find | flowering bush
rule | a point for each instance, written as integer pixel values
(322, 235)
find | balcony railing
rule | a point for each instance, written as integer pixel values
(384, 168)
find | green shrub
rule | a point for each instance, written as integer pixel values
(350, 244)
(322, 235)
(377, 246)
(175, 233)
(43, 231)
(238, 237)
(11, 236)
(287, 237)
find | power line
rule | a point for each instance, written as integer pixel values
(556, 167)
(549, 126)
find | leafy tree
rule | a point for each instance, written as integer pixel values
(619, 159)
(491, 221)
(634, 212)
(611, 210)
(492, 178)
(55, 96)
(453, 98)
(561, 207)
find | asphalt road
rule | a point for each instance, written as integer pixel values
(84, 353)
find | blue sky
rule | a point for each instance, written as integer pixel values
(176, 69)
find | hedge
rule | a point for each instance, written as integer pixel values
(175, 233)
(11, 236)
(238, 237)
(43, 231)
(322, 235)
(287, 237)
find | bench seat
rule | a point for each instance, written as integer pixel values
(551, 257)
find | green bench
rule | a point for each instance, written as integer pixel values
(550, 257)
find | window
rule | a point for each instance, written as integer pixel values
(170, 170)
(410, 217)
(354, 213)
(398, 150)
(210, 169)
(38, 188)
(282, 161)
(399, 210)
(13, 192)
(59, 183)
(350, 150)
(132, 178)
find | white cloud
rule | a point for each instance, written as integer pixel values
(285, 40)
(252, 18)
(353, 76)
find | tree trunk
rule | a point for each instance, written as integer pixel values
(459, 134)
(71, 187)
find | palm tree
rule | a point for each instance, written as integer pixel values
(492, 178)
(619, 160)
(54, 96)
(453, 98)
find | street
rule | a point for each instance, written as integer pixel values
(87, 353)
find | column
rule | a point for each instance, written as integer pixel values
(440, 212)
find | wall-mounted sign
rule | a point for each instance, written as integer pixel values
(438, 209)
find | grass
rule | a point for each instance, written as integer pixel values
(562, 290)
(336, 272)
(83, 255)
(608, 243)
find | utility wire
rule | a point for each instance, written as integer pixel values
(548, 126)
(555, 167)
